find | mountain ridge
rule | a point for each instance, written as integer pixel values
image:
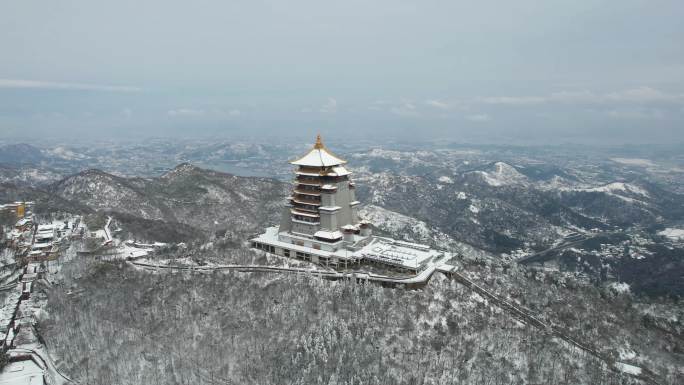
(204, 199)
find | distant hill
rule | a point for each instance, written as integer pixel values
(46, 201)
(20, 154)
(203, 199)
(28, 175)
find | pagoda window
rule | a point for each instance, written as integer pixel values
(306, 219)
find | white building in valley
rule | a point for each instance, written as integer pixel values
(320, 221)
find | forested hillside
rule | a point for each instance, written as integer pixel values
(111, 323)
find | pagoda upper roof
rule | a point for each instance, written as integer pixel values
(319, 156)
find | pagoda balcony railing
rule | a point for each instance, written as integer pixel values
(305, 197)
(308, 182)
(307, 186)
(304, 213)
(316, 193)
(305, 222)
(308, 178)
(309, 210)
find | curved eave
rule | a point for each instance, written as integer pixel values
(304, 173)
(311, 193)
(301, 202)
(318, 157)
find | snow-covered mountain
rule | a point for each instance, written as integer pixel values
(187, 194)
(500, 174)
(498, 200)
(500, 207)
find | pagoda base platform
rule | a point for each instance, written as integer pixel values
(389, 252)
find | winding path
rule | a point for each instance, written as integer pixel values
(420, 279)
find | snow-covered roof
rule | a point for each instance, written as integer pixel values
(22, 373)
(339, 171)
(319, 156)
(328, 234)
(329, 208)
(394, 252)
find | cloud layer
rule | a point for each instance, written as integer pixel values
(36, 84)
(446, 68)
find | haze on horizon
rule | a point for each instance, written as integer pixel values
(530, 71)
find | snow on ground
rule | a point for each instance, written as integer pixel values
(446, 179)
(381, 153)
(626, 353)
(33, 175)
(620, 287)
(661, 311)
(132, 252)
(473, 209)
(518, 253)
(394, 222)
(503, 174)
(555, 183)
(617, 187)
(673, 233)
(633, 161)
(627, 368)
(65, 153)
(490, 180)
(461, 195)
(477, 297)
(420, 231)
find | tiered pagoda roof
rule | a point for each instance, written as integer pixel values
(320, 156)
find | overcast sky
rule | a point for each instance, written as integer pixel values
(485, 71)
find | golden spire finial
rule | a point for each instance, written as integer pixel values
(319, 142)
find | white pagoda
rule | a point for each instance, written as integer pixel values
(323, 201)
(320, 221)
